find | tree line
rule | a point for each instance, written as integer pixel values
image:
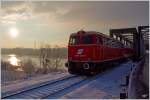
(50, 58)
(31, 51)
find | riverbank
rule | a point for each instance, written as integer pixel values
(10, 73)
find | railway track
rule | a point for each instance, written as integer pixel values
(50, 88)
(47, 89)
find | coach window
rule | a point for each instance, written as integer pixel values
(74, 40)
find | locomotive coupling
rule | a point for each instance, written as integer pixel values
(86, 66)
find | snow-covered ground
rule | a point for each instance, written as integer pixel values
(8, 76)
(106, 86)
(22, 84)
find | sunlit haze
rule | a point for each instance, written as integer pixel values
(13, 60)
(29, 24)
(13, 32)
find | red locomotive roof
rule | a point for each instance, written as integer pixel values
(85, 32)
(92, 32)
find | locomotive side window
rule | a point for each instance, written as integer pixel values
(99, 40)
(74, 40)
(105, 41)
(87, 39)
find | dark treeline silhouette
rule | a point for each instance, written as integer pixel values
(30, 51)
(51, 59)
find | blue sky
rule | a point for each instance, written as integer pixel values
(52, 22)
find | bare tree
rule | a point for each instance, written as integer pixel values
(50, 58)
(57, 57)
(29, 67)
(45, 57)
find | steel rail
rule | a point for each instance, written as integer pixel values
(39, 86)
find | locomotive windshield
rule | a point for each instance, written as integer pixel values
(87, 39)
(74, 40)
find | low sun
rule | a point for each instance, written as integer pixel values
(13, 32)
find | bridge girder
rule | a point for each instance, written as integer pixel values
(136, 37)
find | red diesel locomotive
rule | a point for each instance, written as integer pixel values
(89, 51)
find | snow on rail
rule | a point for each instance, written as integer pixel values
(19, 86)
(104, 87)
(46, 89)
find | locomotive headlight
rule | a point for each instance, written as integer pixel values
(86, 66)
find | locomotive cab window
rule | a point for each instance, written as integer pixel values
(98, 40)
(87, 39)
(74, 40)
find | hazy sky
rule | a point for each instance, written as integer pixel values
(53, 22)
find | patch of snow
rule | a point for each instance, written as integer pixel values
(21, 84)
(8, 76)
(105, 87)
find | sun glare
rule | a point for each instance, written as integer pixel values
(13, 32)
(13, 60)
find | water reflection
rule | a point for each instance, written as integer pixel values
(13, 60)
